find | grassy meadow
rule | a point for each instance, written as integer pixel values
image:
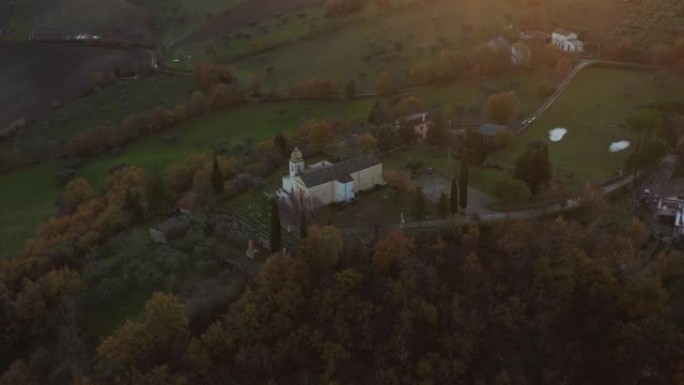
(28, 197)
(393, 41)
(474, 92)
(593, 110)
(29, 194)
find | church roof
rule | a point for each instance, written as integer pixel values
(340, 172)
(490, 129)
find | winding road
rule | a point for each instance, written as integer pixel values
(566, 82)
(571, 204)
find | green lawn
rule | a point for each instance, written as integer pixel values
(265, 35)
(474, 93)
(27, 197)
(29, 194)
(222, 129)
(482, 179)
(593, 109)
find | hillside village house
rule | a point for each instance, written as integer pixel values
(169, 230)
(420, 123)
(499, 43)
(325, 183)
(521, 54)
(673, 208)
(566, 41)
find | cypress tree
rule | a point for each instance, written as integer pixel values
(453, 196)
(281, 144)
(533, 166)
(133, 206)
(217, 178)
(419, 208)
(463, 182)
(443, 205)
(275, 236)
(302, 225)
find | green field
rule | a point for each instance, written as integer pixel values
(387, 41)
(593, 110)
(110, 105)
(474, 93)
(482, 179)
(29, 194)
(178, 18)
(27, 198)
(262, 37)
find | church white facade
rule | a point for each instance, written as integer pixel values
(325, 183)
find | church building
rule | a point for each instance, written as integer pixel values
(324, 183)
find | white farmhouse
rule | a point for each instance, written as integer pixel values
(420, 122)
(566, 41)
(325, 183)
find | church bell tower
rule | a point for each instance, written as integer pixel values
(296, 163)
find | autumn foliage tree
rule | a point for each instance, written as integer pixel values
(138, 344)
(503, 107)
(318, 133)
(386, 85)
(533, 166)
(366, 143)
(208, 74)
(76, 192)
(408, 106)
(318, 88)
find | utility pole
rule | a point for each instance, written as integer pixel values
(598, 55)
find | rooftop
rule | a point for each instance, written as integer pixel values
(522, 46)
(562, 32)
(536, 35)
(173, 226)
(188, 201)
(490, 129)
(340, 172)
(498, 42)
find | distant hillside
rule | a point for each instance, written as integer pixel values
(4, 10)
(249, 12)
(654, 22)
(117, 19)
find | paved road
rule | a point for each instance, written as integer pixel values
(437, 225)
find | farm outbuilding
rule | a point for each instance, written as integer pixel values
(489, 130)
(169, 230)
